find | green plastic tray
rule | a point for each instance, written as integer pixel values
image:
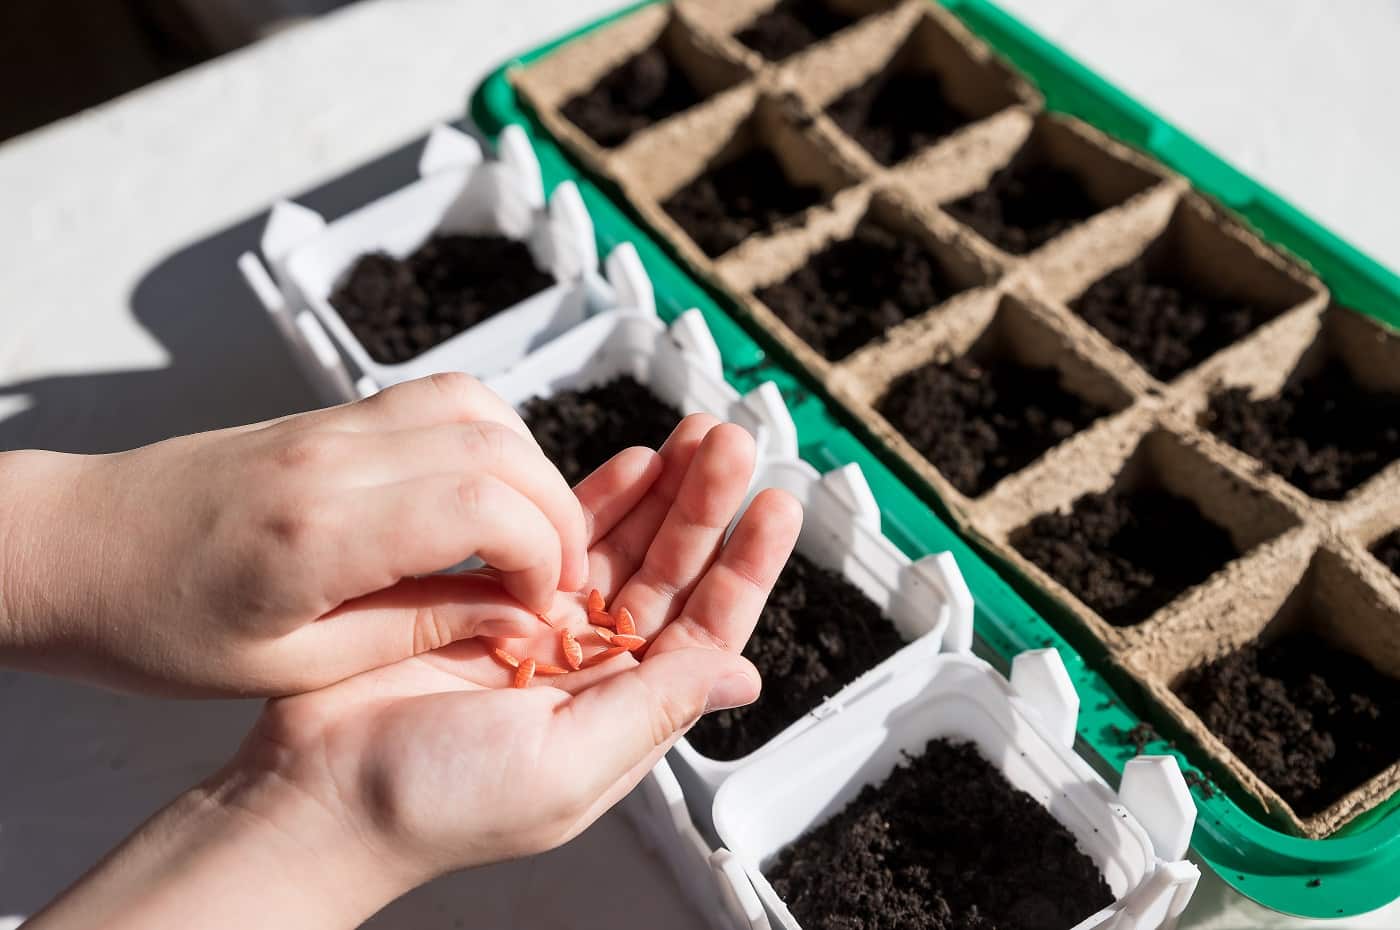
(1353, 872)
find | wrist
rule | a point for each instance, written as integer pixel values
(31, 514)
(246, 848)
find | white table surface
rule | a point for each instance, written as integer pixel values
(122, 321)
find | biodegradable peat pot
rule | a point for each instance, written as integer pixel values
(927, 603)
(1025, 728)
(458, 193)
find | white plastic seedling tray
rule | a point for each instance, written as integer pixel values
(657, 810)
(680, 364)
(1025, 727)
(457, 192)
(927, 601)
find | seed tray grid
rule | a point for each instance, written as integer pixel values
(1227, 835)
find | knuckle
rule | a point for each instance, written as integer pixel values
(430, 630)
(486, 443)
(458, 390)
(673, 714)
(297, 523)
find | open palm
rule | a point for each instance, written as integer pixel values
(446, 766)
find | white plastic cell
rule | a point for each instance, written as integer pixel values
(658, 812)
(1137, 836)
(927, 601)
(679, 363)
(458, 191)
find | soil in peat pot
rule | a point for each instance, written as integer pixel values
(856, 289)
(945, 843)
(978, 422)
(1126, 553)
(895, 114)
(817, 634)
(729, 203)
(791, 26)
(1025, 205)
(1325, 434)
(1314, 722)
(643, 90)
(1163, 319)
(1387, 549)
(580, 430)
(398, 308)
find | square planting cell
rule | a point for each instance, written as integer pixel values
(1058, 179)
(990, 411)
(767, 171)
(580, 429)
(855, 289)
(1197, 289)
(944, 841)
(1310, 704)
(398, 308)
(930, 87)
(665, 78)
(1169, 521)
(790, 26)
(817, 633)
(1334, 423)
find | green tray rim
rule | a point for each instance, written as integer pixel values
(1355, 871)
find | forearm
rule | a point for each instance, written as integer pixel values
(237, 852)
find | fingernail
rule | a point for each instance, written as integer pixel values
(731, 691)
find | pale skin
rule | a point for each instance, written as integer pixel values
(285, 559)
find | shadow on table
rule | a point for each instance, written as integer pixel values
(79, 767)
(228, 364)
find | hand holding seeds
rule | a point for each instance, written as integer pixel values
(283, 556)
(474, 750)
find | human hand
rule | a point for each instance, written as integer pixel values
(344, 798)
(283, 556)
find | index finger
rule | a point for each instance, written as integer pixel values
(446, 397)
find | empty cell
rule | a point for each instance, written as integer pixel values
(1056, 180)
(1193, 292)
(945, 841)
(738, 199)
(817, 634)
(398, 308)
(791, 26)
(930, 86)
(855, 289)
(579, 430)
(1127, 552)
(1310, 717)
(1325, 433)
(978, 421)
(644, 89)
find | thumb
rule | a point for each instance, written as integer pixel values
(622, 725)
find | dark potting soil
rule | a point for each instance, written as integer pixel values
(398, 308)
(643, 90)
(1126, 553)
(1325, 434)
(854, 290)
(979, 422)
(1025, 205)
(1314, 722)
(945, 843)
(1387, 549)
(580, 430)
(730, 203)
(893, 115)
(1165, 321)
(791, 26)
(817, 634)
